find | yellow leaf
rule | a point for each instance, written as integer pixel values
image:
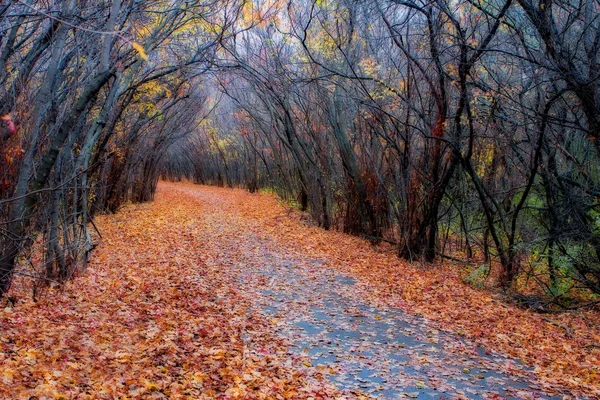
(151, 386)
(7, 375)
(142, 53)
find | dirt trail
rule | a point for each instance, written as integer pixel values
(217, 293)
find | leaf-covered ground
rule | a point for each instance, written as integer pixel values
(210, 292)
(148, 320)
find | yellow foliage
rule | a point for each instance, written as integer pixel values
(323, 44)
(369, 66)
(140, 49)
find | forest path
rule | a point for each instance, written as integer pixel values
(217, 293)
(319, 309)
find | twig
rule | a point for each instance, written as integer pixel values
(381, 239)
(583, 305)
(566, 328)
(37, 10)
(44, 189)
(458, 260)
(94, 225)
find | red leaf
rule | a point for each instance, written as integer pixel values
(12, 128)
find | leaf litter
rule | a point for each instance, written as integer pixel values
(218, 293)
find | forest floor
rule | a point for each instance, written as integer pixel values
(217, 293)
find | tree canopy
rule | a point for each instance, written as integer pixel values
(462, 129)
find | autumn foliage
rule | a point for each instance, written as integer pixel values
(149, 319)
(159, 313)
(457, 140)
(560, 357)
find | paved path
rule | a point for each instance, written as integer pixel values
(384, 353)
